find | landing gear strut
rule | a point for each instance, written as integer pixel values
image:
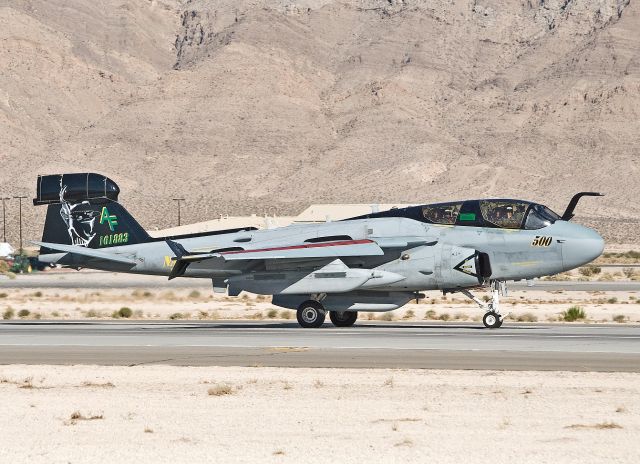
(492, 318)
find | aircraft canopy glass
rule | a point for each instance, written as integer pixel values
(540, 216)
(494, 213)
(506, 214)
(442, 214)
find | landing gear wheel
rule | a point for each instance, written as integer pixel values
(343, 319)
(310, 314)
(491, 320)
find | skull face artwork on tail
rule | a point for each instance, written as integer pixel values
(79, 218)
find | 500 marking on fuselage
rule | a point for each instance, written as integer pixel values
(114, 239)
(542, 241)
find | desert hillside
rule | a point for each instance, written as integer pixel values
(268, 105)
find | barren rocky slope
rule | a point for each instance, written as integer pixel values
(269, 105)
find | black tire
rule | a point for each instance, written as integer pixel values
(310, 314)
(491, 320)
(343, 319)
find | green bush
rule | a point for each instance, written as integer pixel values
(612, 300)
(24, 313)
(574, 313)
(125, 312)
(8, 314)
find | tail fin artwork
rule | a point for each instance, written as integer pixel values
(83, 210)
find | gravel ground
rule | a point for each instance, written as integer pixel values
(160, 414)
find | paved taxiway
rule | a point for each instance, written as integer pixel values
(400, 345)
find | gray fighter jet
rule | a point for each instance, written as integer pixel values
(376, 262)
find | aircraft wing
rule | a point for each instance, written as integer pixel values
(335, 249)
(87, 252)
(308, 250)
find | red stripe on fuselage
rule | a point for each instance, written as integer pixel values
(300, 247)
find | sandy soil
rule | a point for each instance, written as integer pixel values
(155, 298)
(267, 106)
(161, 414)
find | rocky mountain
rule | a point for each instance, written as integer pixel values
(268, 105)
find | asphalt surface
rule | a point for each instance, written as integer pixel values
(604, 348)
(106, 280)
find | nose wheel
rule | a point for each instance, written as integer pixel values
(491, 320)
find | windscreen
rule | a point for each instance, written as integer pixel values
(540, 216)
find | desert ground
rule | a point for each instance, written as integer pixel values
(93, 294)
(267, 106)
(160, 414)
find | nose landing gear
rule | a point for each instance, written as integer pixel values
(492, 318)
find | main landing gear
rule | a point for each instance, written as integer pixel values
(492, 318)
(311, 315)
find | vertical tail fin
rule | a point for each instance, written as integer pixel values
(83, 210)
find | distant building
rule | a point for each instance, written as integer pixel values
(6, 250)
(314, 213)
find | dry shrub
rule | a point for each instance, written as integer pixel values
(387, 316)
(409, 315)
(527, 317)
(431, 314)
(98, 384)
(589, 271)
(222, 389)
(601, 426)
(619, 318)
(78, 416)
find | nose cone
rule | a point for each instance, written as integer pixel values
(582, 245)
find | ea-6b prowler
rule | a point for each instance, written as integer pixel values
(375, 262)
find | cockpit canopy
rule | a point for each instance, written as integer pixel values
(497, 213)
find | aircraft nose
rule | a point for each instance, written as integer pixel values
(581, 246)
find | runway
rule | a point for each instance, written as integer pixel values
(515, 346)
